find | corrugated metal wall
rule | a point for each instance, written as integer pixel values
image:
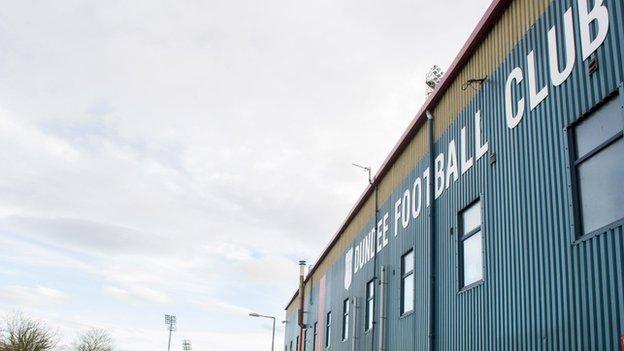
(543, 289)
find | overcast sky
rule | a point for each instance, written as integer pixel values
(181, 156)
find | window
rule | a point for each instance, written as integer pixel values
(598, 168)
(305, 339)
(314, 336)
(471, 245)
(328, 329)
(297, 343)
(407, 282)
(370, 304)
(345, 319)
(291, 349)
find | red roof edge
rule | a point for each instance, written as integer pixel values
(485, 25)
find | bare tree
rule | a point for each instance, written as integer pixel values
(21, 333)
(94, 340)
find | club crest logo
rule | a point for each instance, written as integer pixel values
(348, 261)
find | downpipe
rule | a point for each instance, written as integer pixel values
(354, 337)
(301, 321)
(382, 309)
(374, 328)
(432, 242)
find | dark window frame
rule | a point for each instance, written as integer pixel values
(314, 336)
(370, 309)
(346, 309)
(461, 238)
(574, 162)
(405, 275)
(305, 339)
(328, 324)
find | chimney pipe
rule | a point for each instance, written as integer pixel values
(302, 326)
(302, 265)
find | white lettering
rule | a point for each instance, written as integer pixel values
(451, 164)
(405, 210)
(535, 97)
(427, 183)
(356, 258)
(379, 235)
(556, 76)
(513, 119)
(439, 175)
(562, 54)
(600, 15)
(361, 254)
(385, 229)
(481, 149)
(366, 249)
(415, 206)
(465, 163)
(397, 216)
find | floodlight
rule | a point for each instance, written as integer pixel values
(433, 78)
(170, 321)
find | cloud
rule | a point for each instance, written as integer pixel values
(229, 251)
(186, 154)
(219, 306)
(86, 235)
(138, 293)
(17, 253)
(117, 292)
(270, 270)
(32, 295)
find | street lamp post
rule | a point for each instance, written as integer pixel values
(273, 335)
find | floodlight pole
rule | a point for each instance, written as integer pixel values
(169, 343)
(170, 321)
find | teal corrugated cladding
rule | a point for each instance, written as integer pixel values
(543, 289)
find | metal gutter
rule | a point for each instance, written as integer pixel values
(483, 28)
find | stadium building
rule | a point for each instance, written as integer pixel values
(496, 222)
